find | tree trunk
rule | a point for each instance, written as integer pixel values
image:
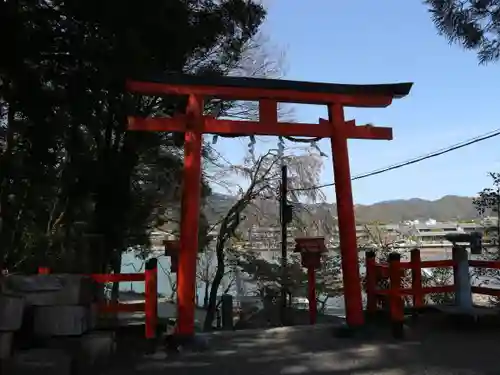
(212, 302)
(206, 296)
(323, 305)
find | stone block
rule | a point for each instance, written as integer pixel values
(40, 362)
(55, 289)
(6, 344)
(62, 320)
(11, 312)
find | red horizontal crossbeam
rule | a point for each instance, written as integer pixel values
(120, 307)
(117, 277)
(437, 263)
(442, 263)
(486, 291)
(425, 290)
(244, 93)
(369, 132)
(352, 131)
(484, 264)
(383, 271)
(216, 126)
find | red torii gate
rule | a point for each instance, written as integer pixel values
(268, 92)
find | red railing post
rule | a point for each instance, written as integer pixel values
(151, 297)
(395, 299)
(371, 282)
(43, 270)
(416, 279)
(313, 307)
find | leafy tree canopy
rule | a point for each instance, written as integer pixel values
(74, 184)
(475, 24)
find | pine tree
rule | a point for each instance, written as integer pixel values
(475, 24)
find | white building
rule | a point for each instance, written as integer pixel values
(415, 233)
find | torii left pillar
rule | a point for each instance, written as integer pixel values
(187, 259)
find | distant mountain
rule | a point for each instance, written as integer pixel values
(217, 205)
(447, 208)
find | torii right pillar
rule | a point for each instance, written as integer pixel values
(342, 131)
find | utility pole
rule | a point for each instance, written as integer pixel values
(286, 218)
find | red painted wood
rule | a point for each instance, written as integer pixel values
(190, 207)
(486, 291)
(216, 126)
(416, 278)
(311, 285)
(437, 263)
(43, 270)
(151, 298)
(116, 277)
(239, 93)
(193, 124)
(106, 308)
(484, 264)
(371, 282)
(396, 304)
(346, 220)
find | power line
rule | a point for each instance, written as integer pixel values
(418, 159)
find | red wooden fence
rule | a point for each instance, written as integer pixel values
(150, 304)
(393, 270)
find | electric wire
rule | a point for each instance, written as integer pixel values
(415, 160)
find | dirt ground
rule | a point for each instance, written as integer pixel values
(431, 347)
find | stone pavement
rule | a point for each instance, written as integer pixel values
(314, 350)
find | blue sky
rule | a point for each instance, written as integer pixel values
(363, 41)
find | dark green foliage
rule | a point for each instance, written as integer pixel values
(488, 201)
(489, 198)
(76, 187)
(475, 24)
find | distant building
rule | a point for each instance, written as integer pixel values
(428, 234)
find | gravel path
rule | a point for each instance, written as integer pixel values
(314, 350)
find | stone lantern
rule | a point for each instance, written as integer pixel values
(310, 249)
